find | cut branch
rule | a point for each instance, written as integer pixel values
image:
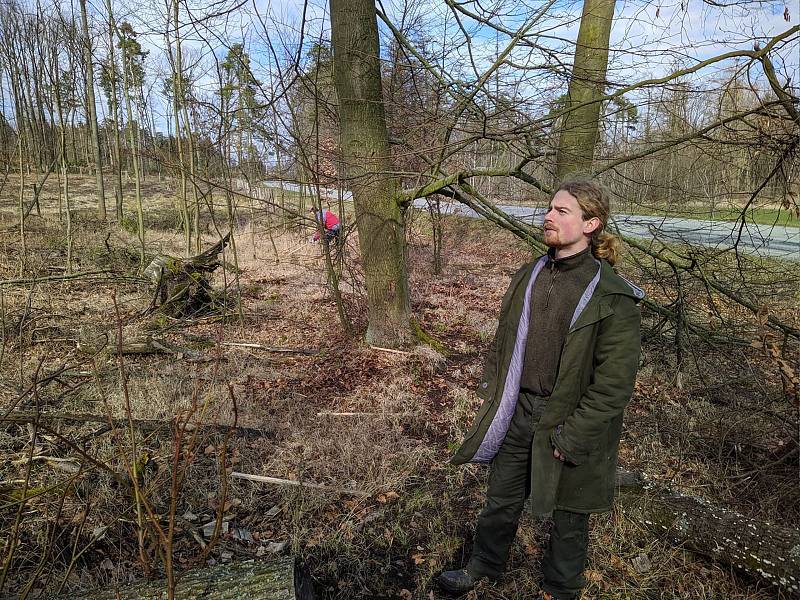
(293, 483)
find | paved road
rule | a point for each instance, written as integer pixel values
(763, 240)
(329, 193)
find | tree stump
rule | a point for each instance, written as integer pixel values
(278, 579)
(182, 287)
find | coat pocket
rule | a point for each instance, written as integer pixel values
(586, 486)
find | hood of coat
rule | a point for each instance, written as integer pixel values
(613, 283)
(610, 282)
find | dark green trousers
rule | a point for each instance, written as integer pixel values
(509, 485)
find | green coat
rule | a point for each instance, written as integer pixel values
(583, 416)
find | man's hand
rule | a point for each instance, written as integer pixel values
(558, 455)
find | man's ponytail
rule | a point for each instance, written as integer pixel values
(606, 246)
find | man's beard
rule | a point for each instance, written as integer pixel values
(554, 240)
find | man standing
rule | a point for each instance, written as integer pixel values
(557, 378)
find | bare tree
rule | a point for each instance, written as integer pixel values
(110, 81)
(365, 147)
(91, 113)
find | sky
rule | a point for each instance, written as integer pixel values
(649, 38)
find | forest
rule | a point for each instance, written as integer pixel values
(204, 392)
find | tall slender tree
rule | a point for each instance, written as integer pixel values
(56, 87)
(110, 83)
(239, 96)
(179, 93)
(132, 75)
(91, 113)
(367, 157)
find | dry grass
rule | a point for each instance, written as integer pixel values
(403, 416)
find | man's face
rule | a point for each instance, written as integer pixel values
(564, 226)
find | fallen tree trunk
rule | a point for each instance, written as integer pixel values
(279, 579)
(144, 425)
(762, 550)
(93, 342)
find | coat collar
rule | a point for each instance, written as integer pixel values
(594, 303)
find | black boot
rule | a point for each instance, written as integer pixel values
(456, 582)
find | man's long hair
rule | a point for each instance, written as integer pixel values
(593, 200)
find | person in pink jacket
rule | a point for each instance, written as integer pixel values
(329, 222)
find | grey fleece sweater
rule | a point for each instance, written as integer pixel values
(554, 296)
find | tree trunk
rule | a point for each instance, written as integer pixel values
(126, 89)
(24, 85)
(112, 30)
(762, 550)
(91, 114)
(365, 146)
(581, 125)
(178, 98)
(193, 177)
(273, 580)
(182, 287)
(21, 199)
(62, 130)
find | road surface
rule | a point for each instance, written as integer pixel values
(762, 240)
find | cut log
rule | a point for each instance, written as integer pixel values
(764, 551)
(278, 579)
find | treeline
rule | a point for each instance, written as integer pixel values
(684, 140)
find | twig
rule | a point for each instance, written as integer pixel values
(346, 414)
(168, 347)
(146, 425)
(363, 414)
(2, 319)
(295, 250)
(192, 529)
(64, 464)
(290, 482)
(391, 350)
(139, 499)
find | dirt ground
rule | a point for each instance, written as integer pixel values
(375, 428)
